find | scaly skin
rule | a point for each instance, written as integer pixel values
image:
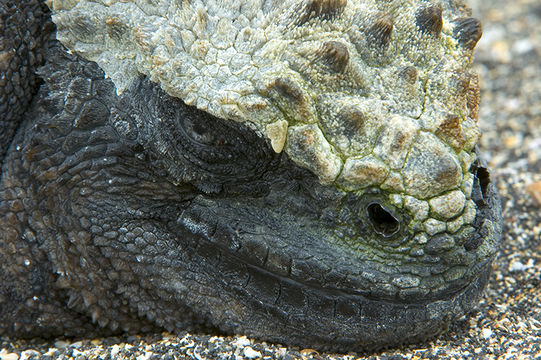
(304, 172)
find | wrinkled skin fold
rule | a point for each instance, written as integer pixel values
(138, 213)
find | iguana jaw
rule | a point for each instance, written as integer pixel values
(328, 239)
(301, 308)
(284, 265)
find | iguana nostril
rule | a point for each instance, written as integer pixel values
(480, 184)
(483, 176)
(383, 221)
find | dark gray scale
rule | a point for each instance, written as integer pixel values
(409, 74)
(288, 94)
(115, 29)
(288, 89)
(25, 27)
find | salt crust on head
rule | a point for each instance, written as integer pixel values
(362, 93)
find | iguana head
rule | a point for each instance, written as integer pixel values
(376, 99)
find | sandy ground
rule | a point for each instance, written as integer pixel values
(507, 324)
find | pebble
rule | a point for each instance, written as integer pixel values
(518, 266)
(486, 333)
(535, 191)
(250, 353)
(242, 341)
(4, 355)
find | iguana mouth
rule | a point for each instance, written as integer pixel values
(296, 241)
(265, 262)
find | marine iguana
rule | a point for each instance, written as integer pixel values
(302, 172)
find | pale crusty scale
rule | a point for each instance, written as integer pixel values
(361, 92)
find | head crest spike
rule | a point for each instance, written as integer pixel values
(380, 32)
(429, 19)
(467, 31)
(334, 55)
(326, 9)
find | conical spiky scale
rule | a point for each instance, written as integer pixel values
(334, 55)
(380, 32)
(467, 31)
(325, 9)
(429, 19)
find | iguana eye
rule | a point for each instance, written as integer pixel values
(211, 152)
(209, 142)
(201, 133)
